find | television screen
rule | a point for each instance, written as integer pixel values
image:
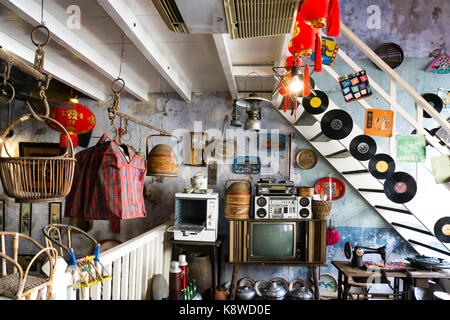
(272, 240)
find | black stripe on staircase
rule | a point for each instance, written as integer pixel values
(429, 247)
(371, 190)
(393, 209)
(339, 154)
(355, 171)
(412, 228)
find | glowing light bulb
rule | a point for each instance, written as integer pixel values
(295, 85)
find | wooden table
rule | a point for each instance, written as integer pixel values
(348, 273)
(214, 249)
(312, 273)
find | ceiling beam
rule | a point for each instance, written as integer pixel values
(124, 17)
(60, 73)
(223, 49)
(30, 11)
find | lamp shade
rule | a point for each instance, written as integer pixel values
(314, 13)
(76, 118)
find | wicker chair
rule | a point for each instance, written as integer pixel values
(19, 284)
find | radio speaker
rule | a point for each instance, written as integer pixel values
(261, 207)
(304, 207)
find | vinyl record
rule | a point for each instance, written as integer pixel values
(442, 229)
(435, 101)
(363, 147)
(336, 124)
(400, 187)
(381, 166)
(316, 104)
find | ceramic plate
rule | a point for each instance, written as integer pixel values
(259, 285)
(328, 285)
(281, 282)
(246, 282)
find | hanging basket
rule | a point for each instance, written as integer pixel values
(321, 209)
(37, 179)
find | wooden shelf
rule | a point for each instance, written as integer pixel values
(282, 263)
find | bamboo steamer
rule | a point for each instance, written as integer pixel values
(161, 160)
(305, 191)
(321, 209)
(237, 200)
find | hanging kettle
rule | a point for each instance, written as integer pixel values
(237, 199)
(161, 160)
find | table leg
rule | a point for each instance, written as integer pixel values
(315, 283)
(234, 281)
(213, 293)
(345, 293)
(339, 285)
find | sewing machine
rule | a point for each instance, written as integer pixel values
(356, 254)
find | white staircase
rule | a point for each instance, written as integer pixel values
(414, 220)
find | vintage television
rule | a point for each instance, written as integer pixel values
(275, 241)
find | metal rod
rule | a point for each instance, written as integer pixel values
(429, 247)
(9, 58)
(142, 123)
(412, 228)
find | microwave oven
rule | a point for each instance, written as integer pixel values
(196, 217)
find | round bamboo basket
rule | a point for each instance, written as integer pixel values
(37, 179)
(321, 209)
(237, 200)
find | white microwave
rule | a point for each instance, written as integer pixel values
(196, 217)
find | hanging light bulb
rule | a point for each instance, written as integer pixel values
(295, 84)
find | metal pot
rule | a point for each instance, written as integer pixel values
(300, 294)
(245, 293)
(161, 160)
(273, 292)
(237, 200)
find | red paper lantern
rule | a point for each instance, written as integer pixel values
(76, 118)
(314, 13)
(332, 236)
(290, 60)
(303, 44)
(282, 89)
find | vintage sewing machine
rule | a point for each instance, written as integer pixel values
(356, 254)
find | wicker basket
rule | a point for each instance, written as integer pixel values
(321, 209)
(37, 179)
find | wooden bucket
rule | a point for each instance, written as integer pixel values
(321, 209)
(161, 160)
(237, 200)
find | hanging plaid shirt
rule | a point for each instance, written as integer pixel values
(108, 183)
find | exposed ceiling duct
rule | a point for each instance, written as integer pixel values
(259, 18)
(239, 18)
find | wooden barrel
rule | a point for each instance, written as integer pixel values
(237, 200)
(305, 191)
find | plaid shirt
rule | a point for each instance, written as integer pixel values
(107, 185)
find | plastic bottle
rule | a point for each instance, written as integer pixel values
(174, 281)
(184, 270)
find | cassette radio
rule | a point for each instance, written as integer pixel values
(282, 207)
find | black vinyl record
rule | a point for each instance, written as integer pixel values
(442, 229)
(435, 101)
(316, 103)
(400, 187)
(363, 147)
(336, 124)
(381, 166)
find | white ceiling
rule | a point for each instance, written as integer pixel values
(194, 57)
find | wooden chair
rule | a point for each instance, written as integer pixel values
(19, 284)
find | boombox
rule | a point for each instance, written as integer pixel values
(282, 207)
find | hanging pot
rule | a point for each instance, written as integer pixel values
(237, 199)
(161, 160)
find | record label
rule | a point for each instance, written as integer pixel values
(400, 187)
(336, 124)
(363, 147)
(316, 102)
(442, 229)
(381, 166)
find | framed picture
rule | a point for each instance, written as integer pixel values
(25, 218)
(268, 141)
(54, 217)
(2, 215)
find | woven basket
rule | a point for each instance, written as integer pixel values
(37, 179)
(321, 209)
